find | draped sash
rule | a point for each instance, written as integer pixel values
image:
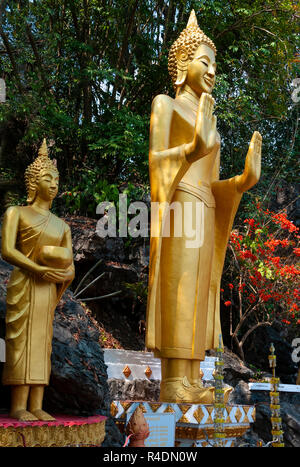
(31, 302)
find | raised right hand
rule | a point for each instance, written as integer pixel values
(205, 135)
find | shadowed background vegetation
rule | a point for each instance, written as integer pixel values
(83, 73)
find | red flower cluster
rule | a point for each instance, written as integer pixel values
(297, 251)
(282, 220)
(247, 254)
(273, 243)
(264, 266)
(252, 224)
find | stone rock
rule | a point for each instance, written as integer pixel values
(241, 394)
(78, 383)
(249, 439)
(257, 350)
(262, 424)
(123, 263)
(234, 368)
(291, 424)
(89, 247)
(137, 389)
(290, 413)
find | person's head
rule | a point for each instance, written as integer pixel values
(41, 177)
(192, 59)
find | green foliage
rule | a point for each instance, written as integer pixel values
(84, 73)
(139, 290)
(257, 372)
(93, 190)
(123, 143)
(7, 174)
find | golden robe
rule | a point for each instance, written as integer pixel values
(183, 316)
(31, 302)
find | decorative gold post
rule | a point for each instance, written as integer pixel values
(219, 403)
(276, 420)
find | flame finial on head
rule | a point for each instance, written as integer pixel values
(43, 151)
(192, 22)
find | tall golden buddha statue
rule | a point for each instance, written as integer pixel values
(185, 269)
(39, 245)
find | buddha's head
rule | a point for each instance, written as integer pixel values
(192, 59)
(41, 177)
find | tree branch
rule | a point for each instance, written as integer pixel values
(263, 323)
(37, 56)
(240, 22)
(10, 53)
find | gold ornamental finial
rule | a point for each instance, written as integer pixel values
(43, 151)
(192, 22)
(137, 428)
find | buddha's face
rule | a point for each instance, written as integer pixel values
(201, 71)
(47, 185)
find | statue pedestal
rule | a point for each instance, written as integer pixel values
(134, 379)
(65, 431)
(194, 422)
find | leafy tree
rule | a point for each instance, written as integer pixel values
(84, 73)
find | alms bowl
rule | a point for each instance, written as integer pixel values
(55, 257)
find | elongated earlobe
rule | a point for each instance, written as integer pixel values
(31, 194)
(181, 77)
(182, 59)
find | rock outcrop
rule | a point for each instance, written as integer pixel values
(261, 429)
(125, 268)
(234, 368)
(137, 389)
(257, 350)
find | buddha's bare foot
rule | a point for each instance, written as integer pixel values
(180, 390)
(23, 415)
(42, 415)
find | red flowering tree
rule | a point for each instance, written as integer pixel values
(264, 270)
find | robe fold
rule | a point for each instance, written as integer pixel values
(31, 302)
(192, 325)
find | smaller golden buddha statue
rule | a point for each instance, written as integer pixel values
(39, 245)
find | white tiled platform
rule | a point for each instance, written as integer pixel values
(138, 361)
